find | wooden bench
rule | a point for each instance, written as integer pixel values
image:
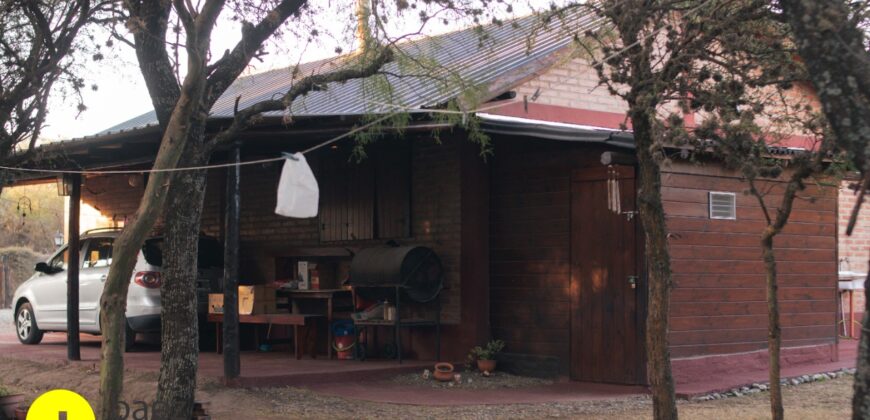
(295, 320)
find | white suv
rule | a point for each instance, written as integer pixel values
(40, 302)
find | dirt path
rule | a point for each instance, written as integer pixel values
(828, 399)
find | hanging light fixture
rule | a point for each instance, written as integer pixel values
(64, 186)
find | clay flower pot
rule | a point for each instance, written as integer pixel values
(9, 403)
(486, 365)
(443, 372)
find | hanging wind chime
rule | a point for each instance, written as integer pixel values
(24, 207)
(613, 200)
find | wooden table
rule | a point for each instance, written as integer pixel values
(295, 320)
(329, 295)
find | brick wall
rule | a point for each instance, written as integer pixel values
(112, 195)
(853, 249)
(572, 84)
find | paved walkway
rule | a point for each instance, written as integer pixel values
(847, 357)
(365, 380)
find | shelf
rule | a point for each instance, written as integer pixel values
(402, 323)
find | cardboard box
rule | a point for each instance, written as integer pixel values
(256, 300)
(253, 300)
(215, 303)
(302, 275)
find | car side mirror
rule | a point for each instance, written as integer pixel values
(42, 267)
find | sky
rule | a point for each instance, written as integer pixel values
(121, 93)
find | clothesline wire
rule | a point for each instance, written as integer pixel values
(249, 162)
(334, 139)
(203, 167)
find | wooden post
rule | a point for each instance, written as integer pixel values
(4, 272)
(72, 274)
(232, 364)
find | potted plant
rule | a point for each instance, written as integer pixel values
(9, 402)
(443, 372)
(485, 356)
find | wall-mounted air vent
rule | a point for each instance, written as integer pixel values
(723, 205)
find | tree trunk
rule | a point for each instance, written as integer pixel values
(658, 261)
(113, 303)
(179, 354)
(832, 46)
(774, 332)
(126, 249)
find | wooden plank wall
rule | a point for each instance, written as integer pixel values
(718, 303)
(530, 262)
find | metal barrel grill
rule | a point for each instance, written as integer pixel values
(414, 270)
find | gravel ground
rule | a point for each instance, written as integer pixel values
(472, 380)
(817, 400)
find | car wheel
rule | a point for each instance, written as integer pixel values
(129, 338)
(25, 325)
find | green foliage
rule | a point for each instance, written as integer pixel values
(487, 352)
(5, 392)
(457, 113)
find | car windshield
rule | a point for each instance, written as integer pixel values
(211, 253)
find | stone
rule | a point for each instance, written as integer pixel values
(795, 381)
(818, 377)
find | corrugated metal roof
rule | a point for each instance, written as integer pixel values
(463, 55)
(515, 126)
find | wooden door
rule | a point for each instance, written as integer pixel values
(607, 294)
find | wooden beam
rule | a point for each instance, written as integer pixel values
(232, 363)
(72, 279)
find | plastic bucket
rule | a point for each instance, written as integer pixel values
(343, 347)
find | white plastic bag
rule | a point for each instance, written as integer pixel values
(298, 194)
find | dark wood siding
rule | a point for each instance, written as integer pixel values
(347, 198)
(393, 190)
(718, 302)
(364, 200)
(530, 243)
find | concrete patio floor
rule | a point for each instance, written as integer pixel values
(368, 380)
(277, 368)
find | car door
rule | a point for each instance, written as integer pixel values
(49, 293)
(95, 268)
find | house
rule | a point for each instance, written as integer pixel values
(539, 242)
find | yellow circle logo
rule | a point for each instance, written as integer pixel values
(60, 404)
